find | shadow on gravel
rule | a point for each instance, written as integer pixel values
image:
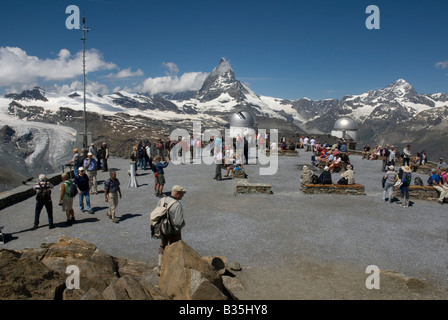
(129, 216)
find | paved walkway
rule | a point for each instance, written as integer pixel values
(271, 232)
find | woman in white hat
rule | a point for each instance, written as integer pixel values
(389, 181)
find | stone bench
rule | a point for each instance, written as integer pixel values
(423, 169)
(286, 153)
(243, 186)
(353, 189)
(419, 192)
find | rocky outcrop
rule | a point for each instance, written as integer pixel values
(185, 275)
(46, 273)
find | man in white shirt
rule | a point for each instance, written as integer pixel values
(312, 143)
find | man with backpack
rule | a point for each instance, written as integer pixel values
(66, 198)
(175, 216)
(43, 199)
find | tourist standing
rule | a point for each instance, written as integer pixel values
(406, 182)
(218, 162)
(306, 143)
(91, 168)
(82, 184)
(93, 150)
(176, 215)
(105, 156)
(76, 161)
(407, 155)
(43, 199)
(385, 153)
(111, 192)
(390, 178)
(65, 200)
(392, 156)
(160, 176)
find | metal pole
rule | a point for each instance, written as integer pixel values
(84, 29)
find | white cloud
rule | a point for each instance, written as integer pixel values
(17, 68)
(188, 81)
(173, 69)
(125, 73)
(92, 86)
(442, 65)
(172, 82)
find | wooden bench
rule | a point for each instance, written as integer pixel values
(352, 189)
(419, 192)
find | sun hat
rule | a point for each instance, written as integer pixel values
(178, 188)
(406, 169)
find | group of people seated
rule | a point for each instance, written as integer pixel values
(332, 158)
(309, 177)
(389, 155)
(233, 163)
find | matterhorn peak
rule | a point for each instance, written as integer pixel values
(223, 68)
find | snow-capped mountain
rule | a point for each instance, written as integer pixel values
(396, 113)
(396, 103)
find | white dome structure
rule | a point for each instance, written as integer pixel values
(243, 119)
(345, 128)
(242, 123)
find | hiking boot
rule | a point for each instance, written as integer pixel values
(51, 226)
(90, 212)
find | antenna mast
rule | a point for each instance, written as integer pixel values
(84, 29)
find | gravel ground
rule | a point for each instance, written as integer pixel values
(291, 245)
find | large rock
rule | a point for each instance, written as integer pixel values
(40, 273)
(126, 288)
(185, 275)
(96, 269)
(26, 278)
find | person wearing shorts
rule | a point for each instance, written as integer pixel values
(159, 176)
(176, 214)
(65, 200)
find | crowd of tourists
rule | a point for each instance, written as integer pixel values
(329, 158)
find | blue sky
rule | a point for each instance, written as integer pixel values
(285, 48)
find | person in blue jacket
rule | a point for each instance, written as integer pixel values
(159, 175)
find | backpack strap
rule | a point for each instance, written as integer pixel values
(65, 187)
(168, 210)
